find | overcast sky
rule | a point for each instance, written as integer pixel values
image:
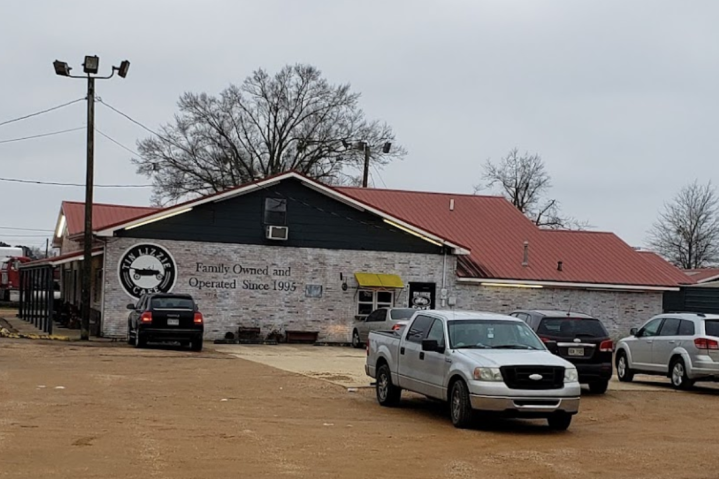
(619, 98)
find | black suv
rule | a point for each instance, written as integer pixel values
(578, 338)
(165, 317)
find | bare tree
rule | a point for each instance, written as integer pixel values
(687, 231)
(525, 182)
(294, 120)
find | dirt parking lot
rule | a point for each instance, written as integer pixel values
(70, 410)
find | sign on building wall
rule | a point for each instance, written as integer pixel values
(147, 268)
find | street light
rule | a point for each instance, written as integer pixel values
(91, 66)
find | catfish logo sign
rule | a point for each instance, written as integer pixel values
(147, 268)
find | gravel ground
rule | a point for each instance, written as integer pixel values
(72, 410)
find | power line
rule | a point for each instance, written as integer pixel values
(53, 183)
(117, 142)
(42, 135)
(41, 112)
(100, 100)
(22, 229)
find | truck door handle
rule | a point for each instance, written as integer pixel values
(672, 342)
(421, 355)
(401, 350)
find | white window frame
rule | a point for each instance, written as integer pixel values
(375, 304)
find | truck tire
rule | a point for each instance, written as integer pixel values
(196, 344)
(624, 374)
(559, 421)
(130, 340)
(387, 393)
(460, 407)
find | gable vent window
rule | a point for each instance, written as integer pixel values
(275, 211)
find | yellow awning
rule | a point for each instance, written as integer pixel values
(374, 280)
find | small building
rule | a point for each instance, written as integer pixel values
(290, 254)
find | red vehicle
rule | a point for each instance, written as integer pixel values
(10, 276)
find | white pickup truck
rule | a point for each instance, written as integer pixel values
(481, 363)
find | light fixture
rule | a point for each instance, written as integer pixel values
(386, 147)
(510, 285)
(152, 220)
(91, 65)
(60, 227)
(123, 68)
(407, 230)
(61, 68)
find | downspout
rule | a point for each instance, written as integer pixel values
(444, 271)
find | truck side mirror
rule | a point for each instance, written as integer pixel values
(131, 306)
(633, 331)
(431, 345)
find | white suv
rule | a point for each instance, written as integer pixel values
(681, 346)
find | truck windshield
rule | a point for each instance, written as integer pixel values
(492, 334)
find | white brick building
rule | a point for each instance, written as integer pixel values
(465, 251)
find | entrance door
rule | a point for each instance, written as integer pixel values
(422, 295)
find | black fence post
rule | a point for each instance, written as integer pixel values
(50, 299)
(22, 293)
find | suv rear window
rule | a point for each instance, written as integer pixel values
(172, 303)
(404, 313)
(591, 328)
(712, 328)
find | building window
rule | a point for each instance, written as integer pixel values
(369, 300)
(275, 211)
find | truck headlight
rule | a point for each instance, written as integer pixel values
(487, 374)
(571, 375)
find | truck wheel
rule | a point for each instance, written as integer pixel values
(559, 421)
(356, 343)
(678, 375)
(598, 387)
(196, 344)
(624, 374)
(460, 406)
(130, 340)
(387, 393)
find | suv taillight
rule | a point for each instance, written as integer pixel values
(146, 317)
(198, 318)
(606, 346)
(396, 327)
(544, 340)
(705, 343)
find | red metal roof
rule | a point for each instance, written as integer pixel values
(495, 232)
(102, 215)
(669, 269)
(703, 274)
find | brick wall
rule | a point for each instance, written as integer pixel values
(619, 311)
(225, 309)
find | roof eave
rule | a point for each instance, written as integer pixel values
(561, 284)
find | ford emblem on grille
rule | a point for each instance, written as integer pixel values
(535, 377)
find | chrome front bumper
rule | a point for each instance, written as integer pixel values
(520, 405)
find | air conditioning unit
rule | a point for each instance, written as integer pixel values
(280, 233)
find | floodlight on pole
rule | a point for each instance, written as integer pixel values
(91, 68)
(122, 69)
(91, 65)
(386, 147)
(61, 68)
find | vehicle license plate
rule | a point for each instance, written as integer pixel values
(576, 351)
(173, 322)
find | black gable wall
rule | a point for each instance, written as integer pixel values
(314, 221)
